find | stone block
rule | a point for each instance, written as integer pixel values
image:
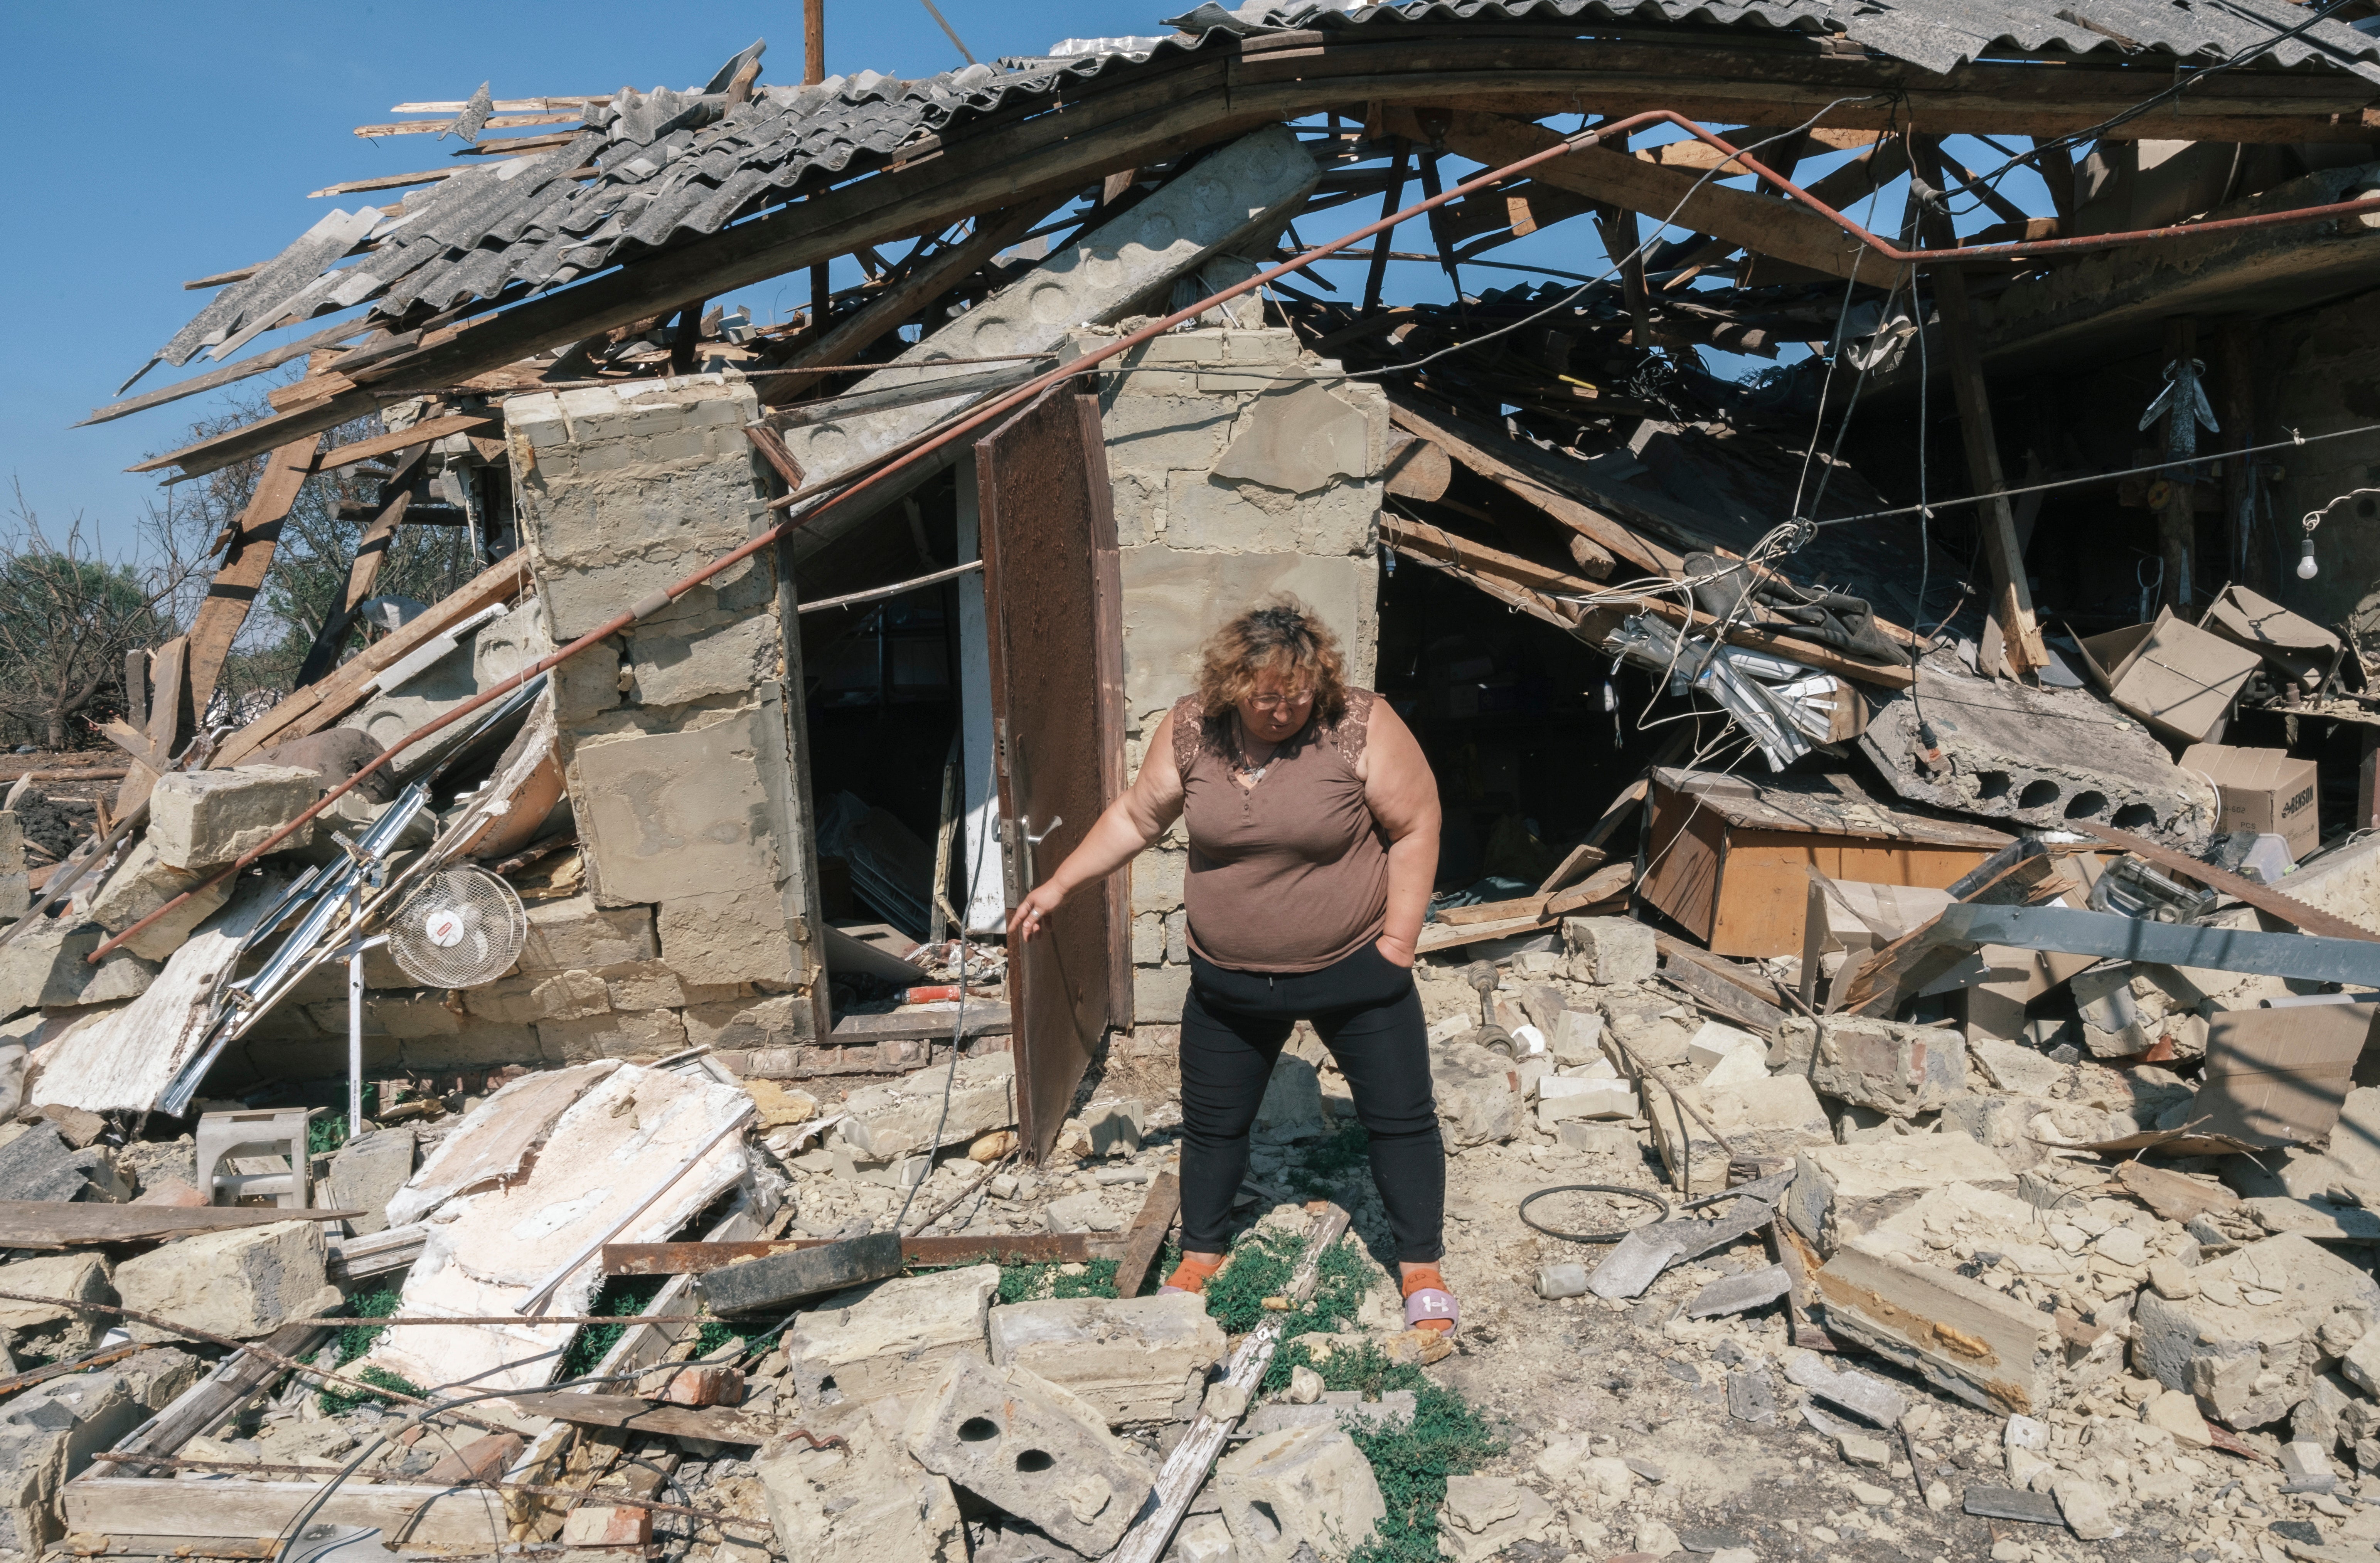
(864, 1500)
(1206, 515)
(1608, 952)
(1115, 1125)
(1896, 1069)
(1597, 1139)
(1715, 1041)
(1160, 434)
(669, 665)
(1487, 1517)
(1959, 1335)
(683, 810)
(567, 996)
(607, 1525)
(1085, 1212)
(1149, 940)
(58, 1332)
(724, 939)
(141, 884)
(366, 1174)
(644, 984)
(12, 1075)
(1303, 1486)
(1032, 1449)
(1157, 993)
(1577, 1037)
(2246, 1344)
(1478, 1094)
(246, 1282)
(1842, 1190)
(204, 818)
(1561, 1097)
(1157, 880)
(899, 1118)
(1774, 1116)
(1297, 439)
(474, 1047)
(1174, 597)
(894, 1338)
(38, 1164)
(49, 968)
(49, 1434)
(772, 1020)
(642, 1034)
(578, 934)
(1126, 1356)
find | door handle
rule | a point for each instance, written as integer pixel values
(1032, 839)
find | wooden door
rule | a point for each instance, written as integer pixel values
(1051, 592)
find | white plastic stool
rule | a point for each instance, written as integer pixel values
(280, 1132)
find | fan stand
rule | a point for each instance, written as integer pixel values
(373, 871)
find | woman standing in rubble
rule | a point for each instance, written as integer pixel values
(1313, 823)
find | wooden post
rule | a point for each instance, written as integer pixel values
(2177, 516)
(2012, 639)
(1377, 274)
(814, 72)
(371, 547)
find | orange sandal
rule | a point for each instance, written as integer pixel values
(1428, 1305)
(1192, 1275)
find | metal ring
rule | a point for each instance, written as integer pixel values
(1591, 1188)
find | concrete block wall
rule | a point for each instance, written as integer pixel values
(682, 764)
(1241, 466)
(2319, 372)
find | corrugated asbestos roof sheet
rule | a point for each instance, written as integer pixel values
(1932, 34)
(677, 163)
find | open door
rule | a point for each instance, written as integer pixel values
(1052, 589)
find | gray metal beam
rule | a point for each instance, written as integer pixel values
(2299, 957)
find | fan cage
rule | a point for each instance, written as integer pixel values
(461, 928)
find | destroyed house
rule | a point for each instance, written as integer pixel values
(1879, 576)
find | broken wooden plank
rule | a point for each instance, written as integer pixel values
(1611, 538)
(701, 1258)
(1898, 969)
(421, 433)
(420, 1514)
(1767, 224)
(1465, 554)
(1148, 1235)
(371, 546)
(1721, 995)
(2174, 1197)
(241, 576)
(43, 1223)
(630, 1415)
(319, 705)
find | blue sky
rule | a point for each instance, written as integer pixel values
(166, 142)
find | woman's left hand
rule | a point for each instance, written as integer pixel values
(1395, 950)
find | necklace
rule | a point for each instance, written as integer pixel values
(1254, 773)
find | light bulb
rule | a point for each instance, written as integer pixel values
(2307, 569)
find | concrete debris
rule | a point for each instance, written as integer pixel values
(2242, 1344)
(49, 1434)
(1841, 1191)
(1036, 1449)
(49, 1330)
(1302, 1487)
(245, 1283)
(1896, 1069)
(205, 818)
(863, 1498)
(895, 1337)
(1609, 951)
(885, 1121)
(1126, 1356)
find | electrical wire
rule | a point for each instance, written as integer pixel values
(2096, 479)
(2181, 85)
(958, 1023)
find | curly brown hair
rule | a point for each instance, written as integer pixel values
(1280, 634)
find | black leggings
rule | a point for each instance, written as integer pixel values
(1367, 1012)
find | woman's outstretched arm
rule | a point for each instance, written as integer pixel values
(1124, 828)
(1404, 797)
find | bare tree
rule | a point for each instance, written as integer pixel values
(67, 616)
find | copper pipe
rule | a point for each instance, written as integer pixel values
(868, 477)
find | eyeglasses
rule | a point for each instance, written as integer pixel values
(1277, 702)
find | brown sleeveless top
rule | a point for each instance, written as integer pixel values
(1292, 874)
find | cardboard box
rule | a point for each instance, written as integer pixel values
(2272, 1078)
(2264, 791)
(2177, 678)
(2294, 647)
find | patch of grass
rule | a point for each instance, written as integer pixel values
(621, 1294)
(337, 1402)
(1036, 1283)
(711, 1333)
(1261, 1265)
(355, 1339)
